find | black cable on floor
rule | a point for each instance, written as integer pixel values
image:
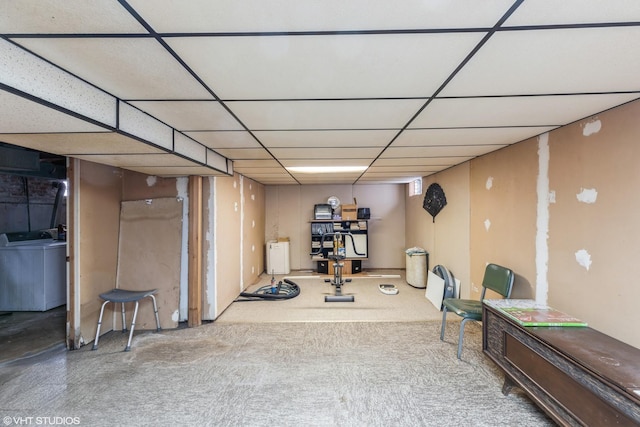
(286, 290)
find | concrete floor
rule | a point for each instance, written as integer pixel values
(25, 334)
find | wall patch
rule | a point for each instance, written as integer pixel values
(151, 180)
(583, 258)
(487, 224)
(542, 221)
(489, 183)
(587, 195)
(592, 127)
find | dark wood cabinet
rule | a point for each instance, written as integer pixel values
(577, 375)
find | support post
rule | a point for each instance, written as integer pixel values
(195, 251)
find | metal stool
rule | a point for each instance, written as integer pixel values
(122, 296)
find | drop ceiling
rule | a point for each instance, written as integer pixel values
(405, 89)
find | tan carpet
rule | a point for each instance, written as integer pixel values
(370, 305)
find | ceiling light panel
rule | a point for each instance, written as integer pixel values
(546, 12)
(310, 115)
(330, 15)
(328, 138)
(67, 17)
(467, 136)
(550, 62)
(190, 115)
(330, 66)
(550, 111)
(129, 68)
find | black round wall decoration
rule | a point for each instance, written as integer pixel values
(434, 200)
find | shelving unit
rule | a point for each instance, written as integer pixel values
(359, 229)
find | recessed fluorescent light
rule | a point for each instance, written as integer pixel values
(326, 169)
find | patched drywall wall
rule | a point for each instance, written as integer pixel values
(253, 201)
(559, 209)
(593, 226)
(227, 237)
(503, 198)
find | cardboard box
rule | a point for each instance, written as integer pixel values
(283, 239)
(349, 212)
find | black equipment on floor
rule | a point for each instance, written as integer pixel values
(339, 254)
(286, 290)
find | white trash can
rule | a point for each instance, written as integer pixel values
(417, 265)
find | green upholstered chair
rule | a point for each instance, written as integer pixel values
(496, 278)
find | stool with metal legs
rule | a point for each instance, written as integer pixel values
(123, 296)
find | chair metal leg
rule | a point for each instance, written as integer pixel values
(124, 319)
(444, 321)
(95, 342)
(133, 326)
(461, 336)
(155, 310)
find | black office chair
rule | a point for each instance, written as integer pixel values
(496, 278)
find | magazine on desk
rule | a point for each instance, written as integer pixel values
(527, 313)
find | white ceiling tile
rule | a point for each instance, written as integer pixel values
(243, 153)
(255, 163)
(225, 139)
(190, 115)
(328, 15)
(142, 125)
(431, 162)
(329, 138)
(18, 115)
(177, 171)
(188, 147)
(338, 66)
(549, 111)
(309, 115)
(74, 144)
(444, 151)
(546, 12)
(137, 160)
(552, 62)
(27, 73)
(467, 136)
(332, 153)
(66, 17)
(129, 68)
(311, 161)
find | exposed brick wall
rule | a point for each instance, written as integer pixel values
(40, 194)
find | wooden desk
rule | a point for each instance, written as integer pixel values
(577, 375)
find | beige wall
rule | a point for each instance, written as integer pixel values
(447, 238)
(586, 262)
(97, 253)
(289, 210)
(238, 250)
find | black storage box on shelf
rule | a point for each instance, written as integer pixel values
(364, 213)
